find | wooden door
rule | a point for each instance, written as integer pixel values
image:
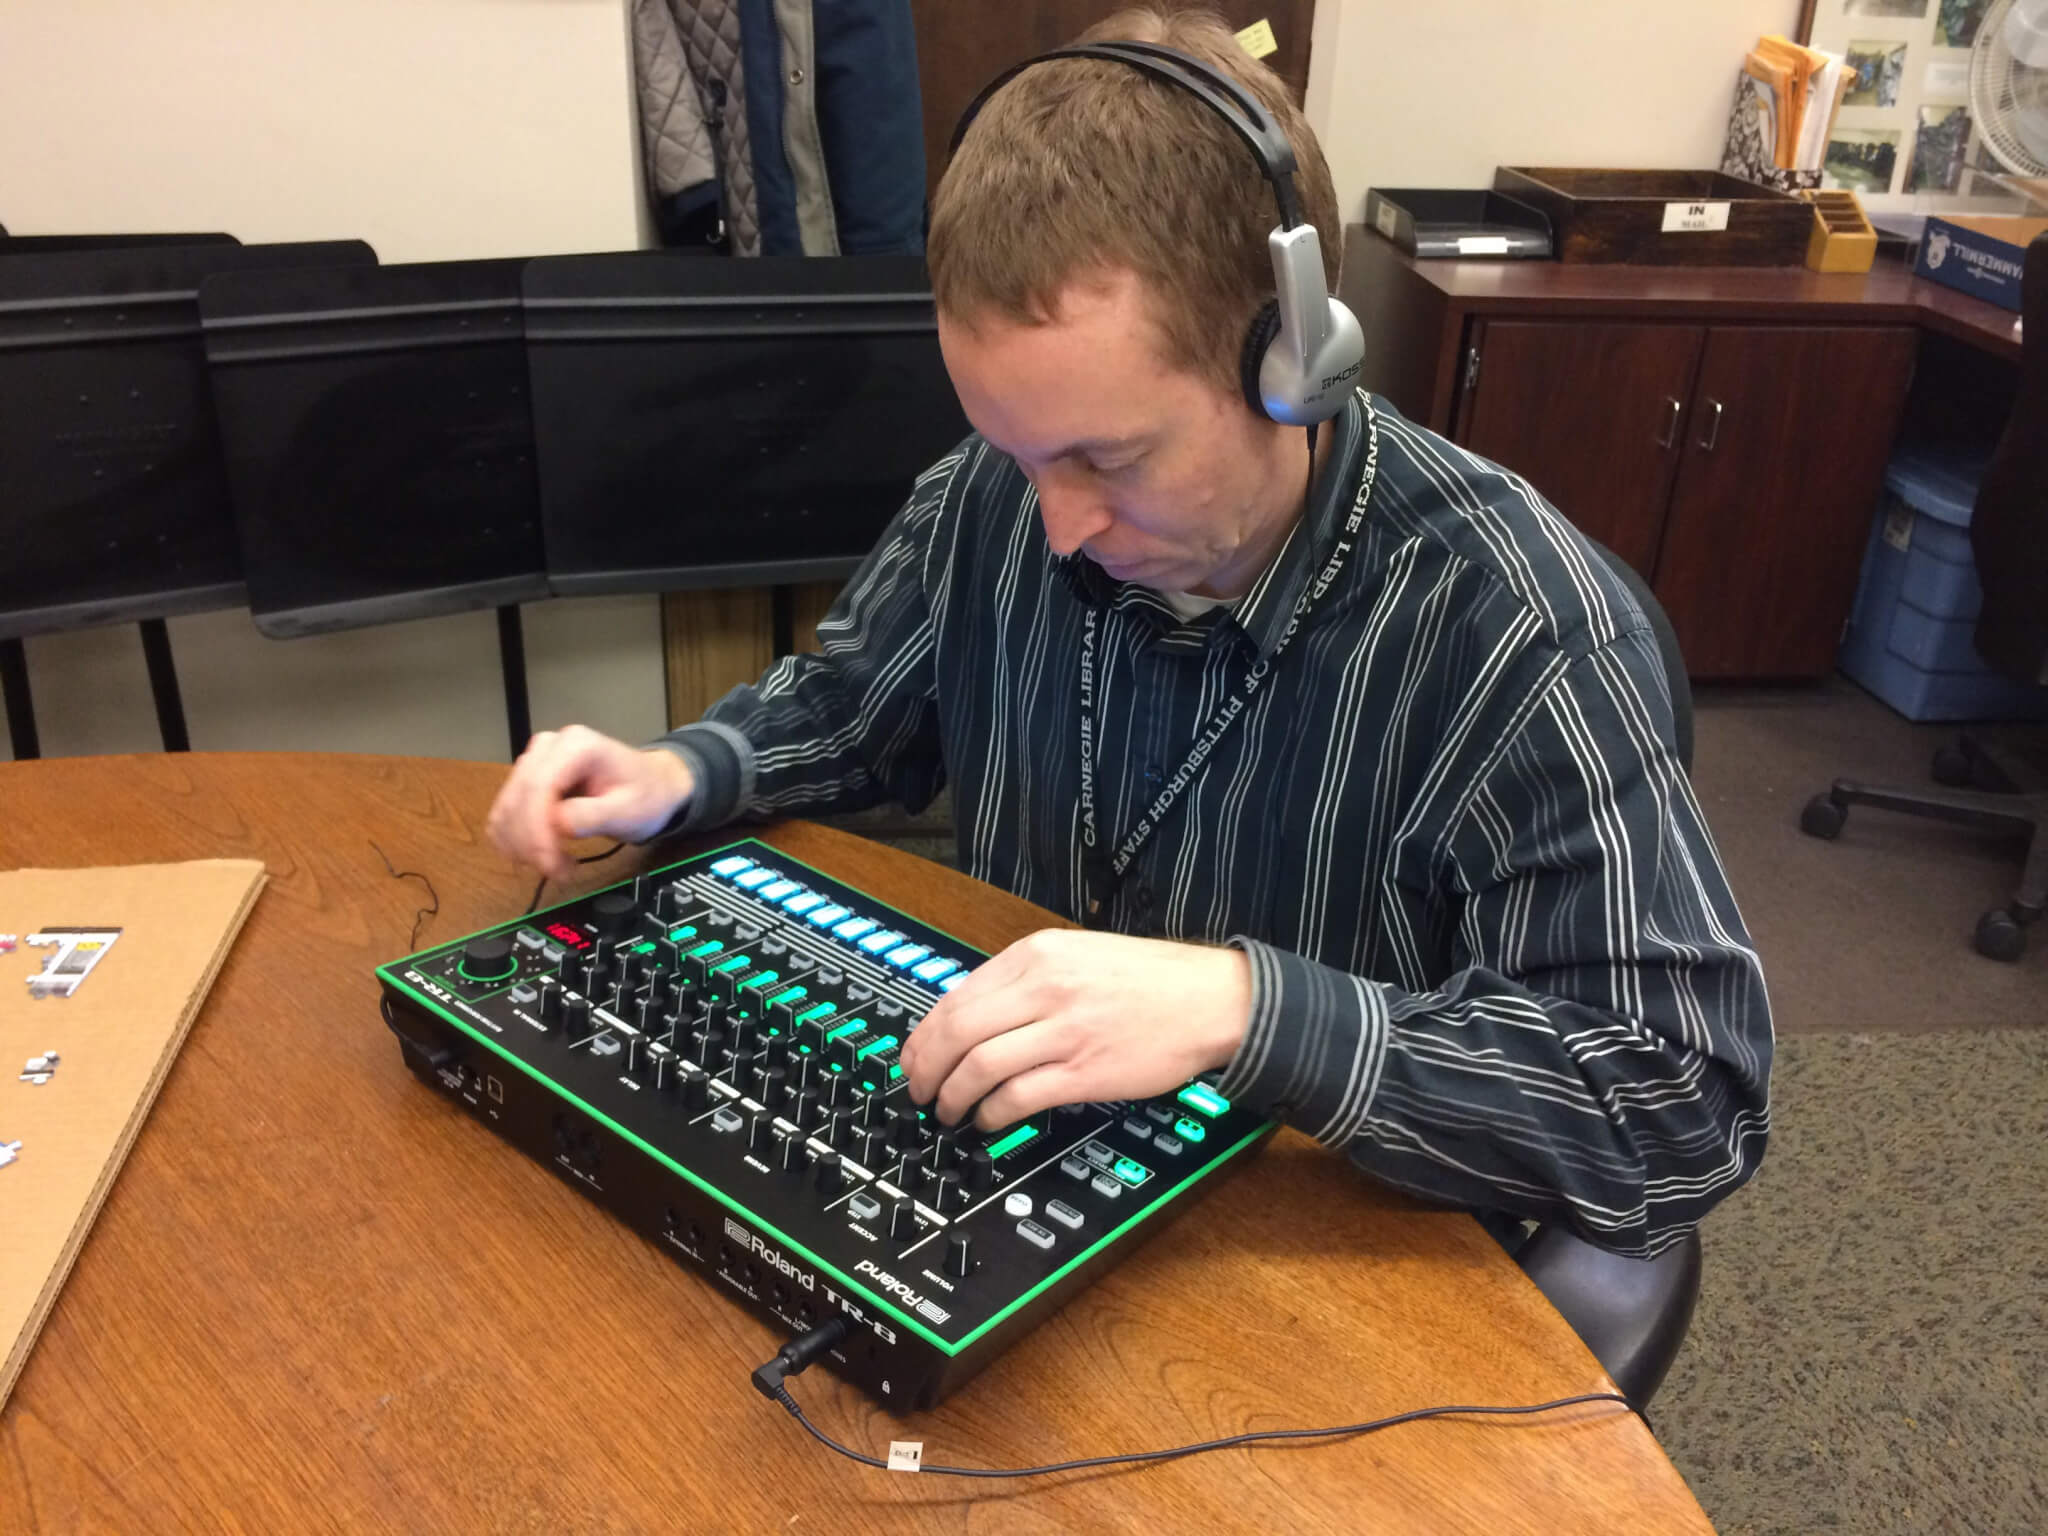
(964, 44)
(1785, 448)
(1590, 414)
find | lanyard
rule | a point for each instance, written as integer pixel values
(1104, 872)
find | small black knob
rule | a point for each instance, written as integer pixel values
(902, 1219)
(959, 1256)
(757, 1129)
(576, 1017)
(870, 1148)
(908, 1130)
(612, 911)
(980, 1173)
(792, 1159)
(485, 959)
(696, 1091)
(872, 1112)
(603, 949)
(835, 1089)
(831, 1177)
(550, 1001)
(913, 1175)
(804, 1109)
(772, 1083)
(839, 1129)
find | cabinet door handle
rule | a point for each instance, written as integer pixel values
(1713, 428)
(1670, 433)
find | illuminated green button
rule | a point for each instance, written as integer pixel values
(850, 1027)
(1189, 1130)
(1013, 1140)
(1131, 1171)
(1200, 1096)
(644, 947)
(789, 995)
(822, 1011)
(687, 931)
(760, 983)
(710, 947)
(732, 963)
(894, 1071)
(873, 1046)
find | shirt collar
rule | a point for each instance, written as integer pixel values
(1265, 610)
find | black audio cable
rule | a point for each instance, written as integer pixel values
(588, 858)
(806, 1348)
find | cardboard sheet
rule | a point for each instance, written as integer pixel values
(115, 1036)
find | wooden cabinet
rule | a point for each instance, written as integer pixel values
(1782, 457)
(1734, 466)
(1725, 431)
(1590, 413)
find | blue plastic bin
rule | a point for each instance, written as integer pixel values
(1910, 638)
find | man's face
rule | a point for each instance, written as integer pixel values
(1156, 474)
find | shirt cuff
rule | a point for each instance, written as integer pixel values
(1315, 1046)
(721, 761)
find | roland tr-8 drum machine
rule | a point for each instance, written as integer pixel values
(709, 1050)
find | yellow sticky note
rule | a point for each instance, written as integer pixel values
(1257, 39)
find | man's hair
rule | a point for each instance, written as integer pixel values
(1080, 167)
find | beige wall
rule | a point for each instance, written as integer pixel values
(1440, 92)
(434, 129)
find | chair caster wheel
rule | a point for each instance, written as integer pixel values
(1954, 766)
(1823, 818)
(1999, 936)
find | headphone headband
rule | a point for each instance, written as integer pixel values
(1245, 113)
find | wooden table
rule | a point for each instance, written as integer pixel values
(319, 1298)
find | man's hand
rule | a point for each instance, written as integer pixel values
(1063, 1017)
(576, 783)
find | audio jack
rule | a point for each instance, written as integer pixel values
(801, 1351)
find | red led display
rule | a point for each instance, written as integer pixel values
(568, 935)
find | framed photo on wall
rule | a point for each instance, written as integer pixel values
(1904, 140)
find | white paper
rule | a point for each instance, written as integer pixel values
(1694, 218)
(906, 1455)
(1947, 80)
(1482, 245)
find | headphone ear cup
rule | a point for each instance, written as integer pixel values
(1265, 326)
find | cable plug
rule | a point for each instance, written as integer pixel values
(797, 1356)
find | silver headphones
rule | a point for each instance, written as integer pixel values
(1303, 351)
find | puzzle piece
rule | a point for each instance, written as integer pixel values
(9, 1151)
(78, 950)
(40, 1069)
(7, 943)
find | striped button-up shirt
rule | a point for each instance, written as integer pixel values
(1494, 957)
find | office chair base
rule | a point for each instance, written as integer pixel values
(2001, 933)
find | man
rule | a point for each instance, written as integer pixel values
(1437, 892)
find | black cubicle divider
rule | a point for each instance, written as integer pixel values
(722, 423)
(378, 432)
(379, 441)
(115, 505)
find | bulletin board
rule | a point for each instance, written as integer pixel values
(1905, 140)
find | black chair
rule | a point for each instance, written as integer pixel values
(2009, 536)
(1631, 1313)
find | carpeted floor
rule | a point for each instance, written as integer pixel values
(1870, 1351)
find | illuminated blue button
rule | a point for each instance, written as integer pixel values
(802, 902)
(778, 890)
(754, 879)
(731, 866)
(952, 981)
(825, 917)
(907, 953)
(875, 943)
(933, 969)
(853, 928)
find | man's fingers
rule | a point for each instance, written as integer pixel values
(1029, 1093)
(993, 1063)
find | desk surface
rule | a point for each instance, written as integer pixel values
(1887, 294)
(318, 1298)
